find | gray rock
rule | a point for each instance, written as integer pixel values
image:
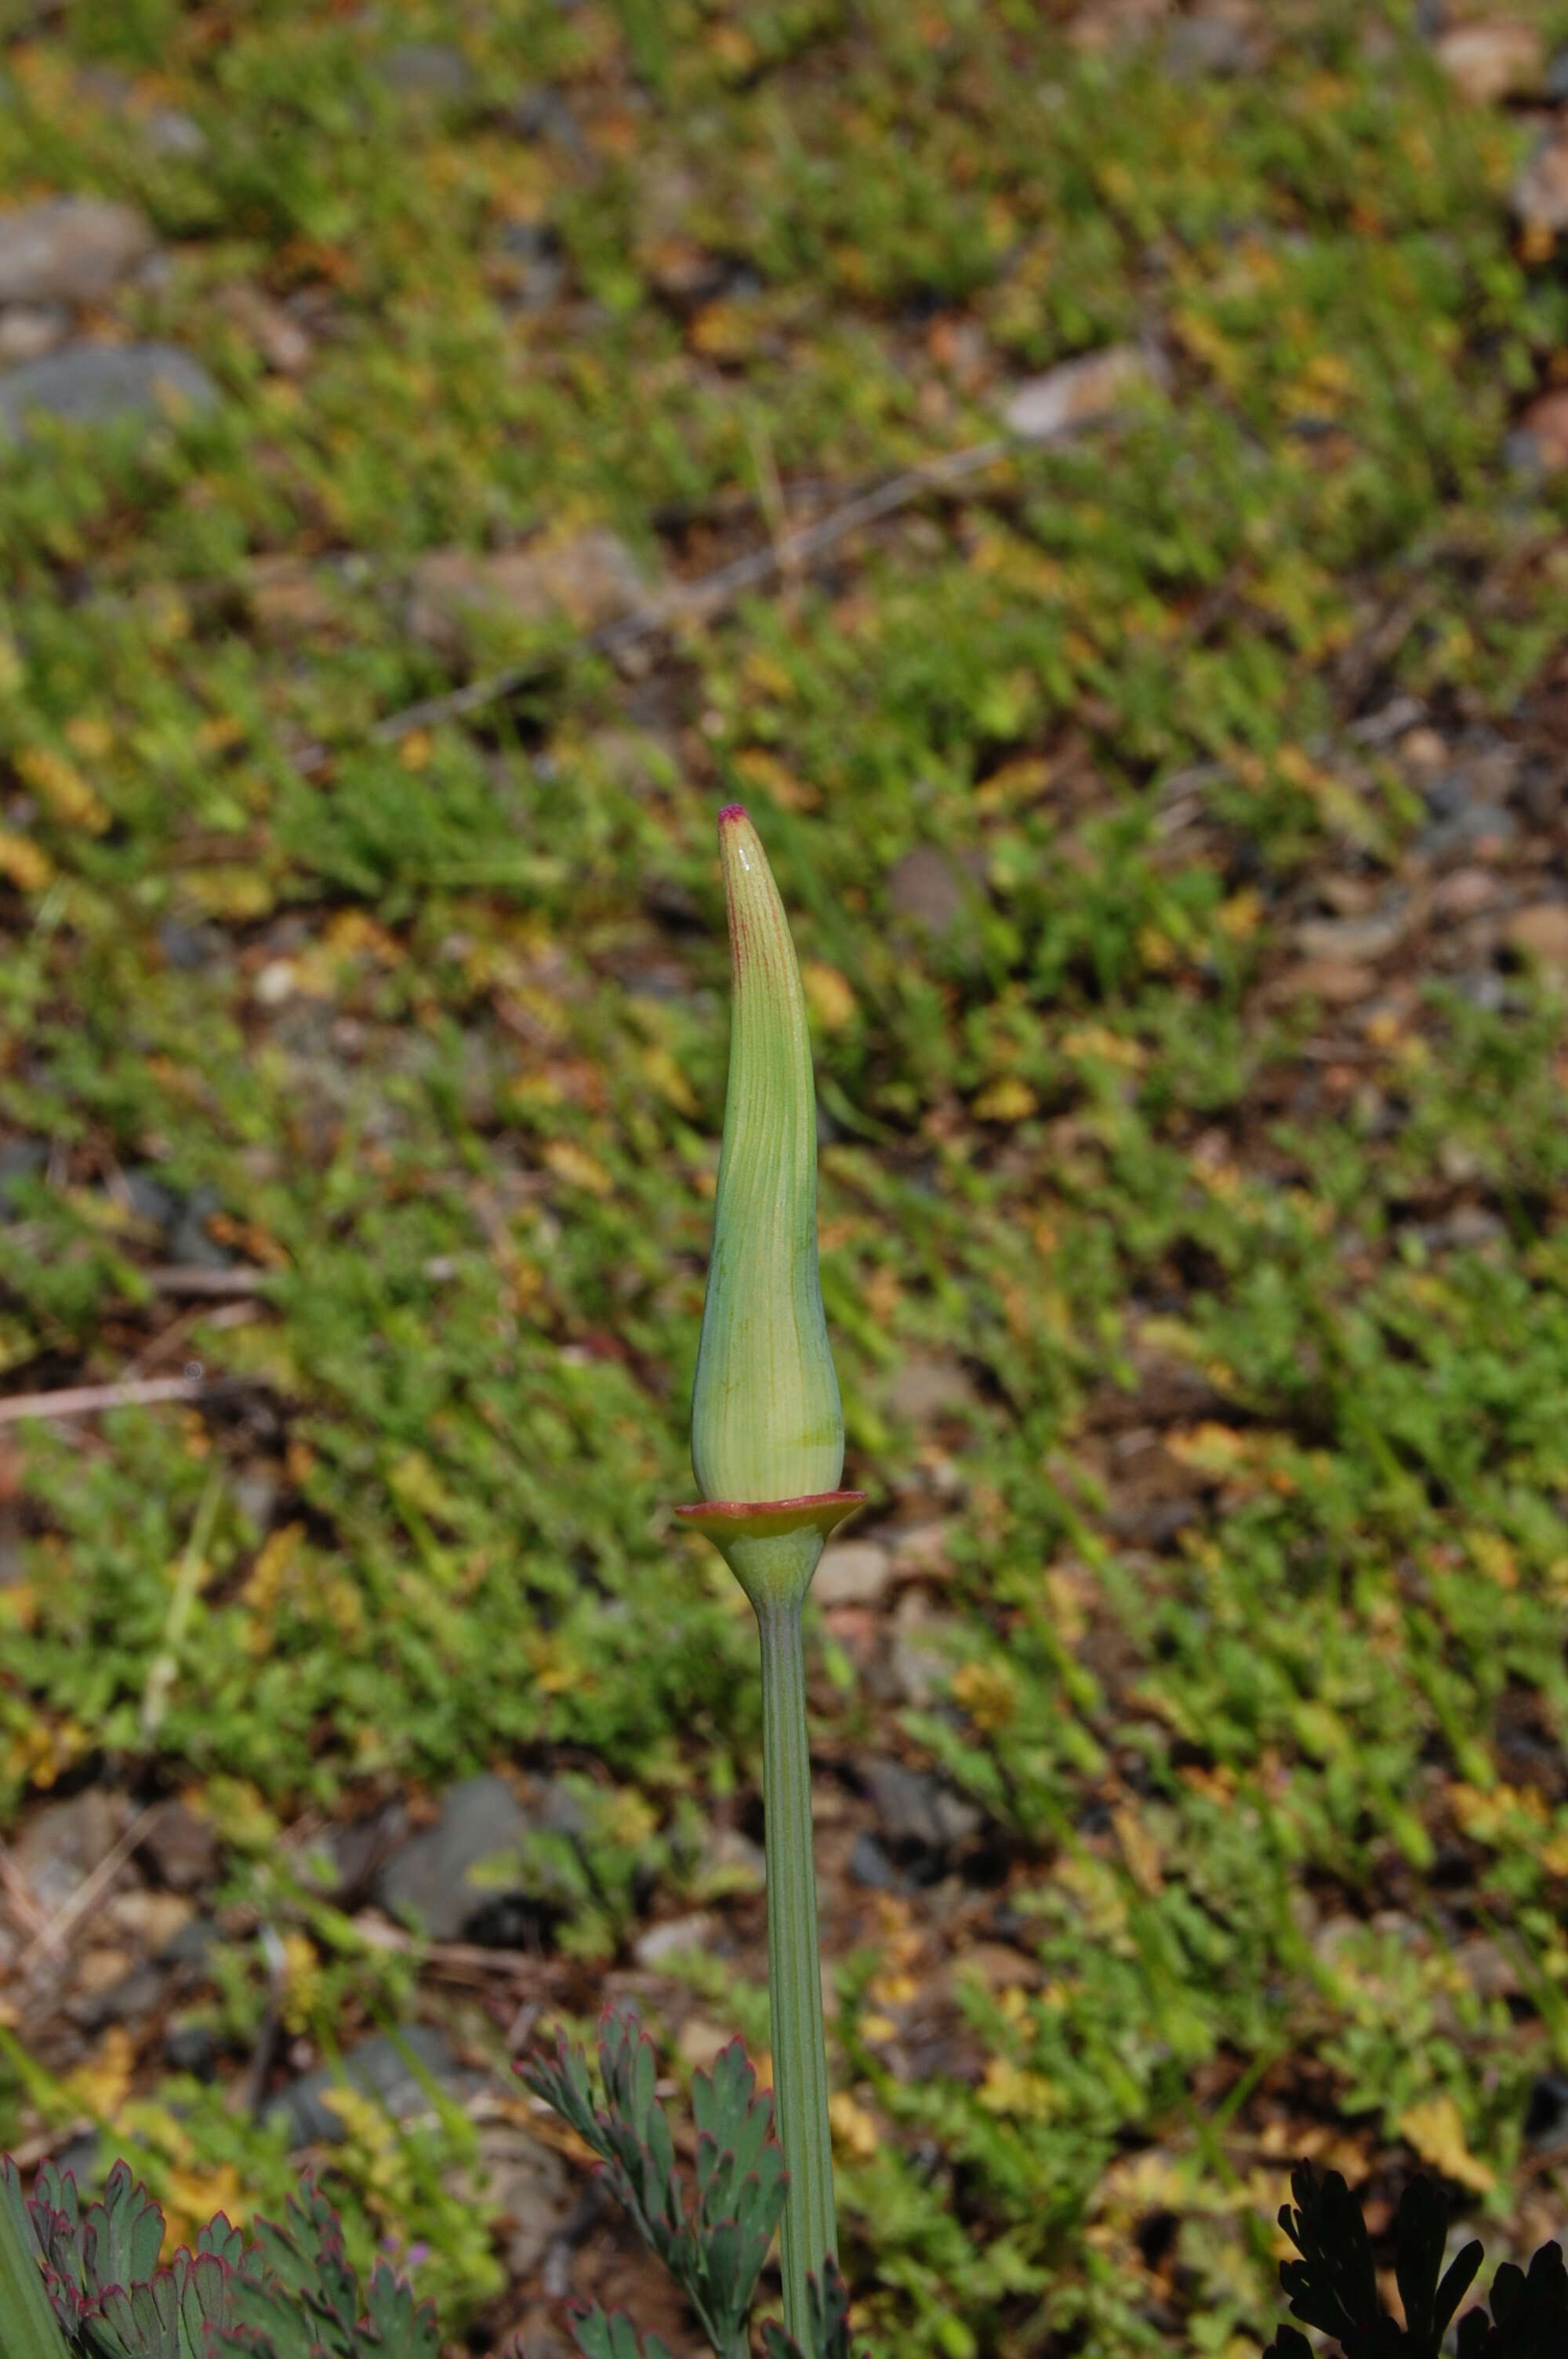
(590, 578)
(1525, 456)
(1488, 1970)
(187, 949)
(1337, 1937)
(285, 348)
(563, 1810)
(132, 1999)
(28, 331)
(1539, 933)
(871, 1867)
(379, 2069)
(1108, 27)
(1540, 193)
(921, 1661)
(192, 1239)
(256, 1495)
(918, 1812)
(925, 1389)
(429, 70)
(432, 1880)
(1487, 62)
(191, 1946)
(61, 1844)
(733, 1863)
(852, 1572)
(1370, 937)
(150, 1200)
(191, 2047)
(1485, 988)
(168, 131)
(97, 384)
(1468, 804)
(359, 1851)
(1151, 1523)
(69, 249)
(1466, 1231)
(928, 888)
(182, 1848)
(920, 1551)
(1081, 392)
(531, 257)
(1197, 47)
(528, 2186)
(544, 114)
(1555, 83)
(78, 2158)
(155, 274)
(677, 1934)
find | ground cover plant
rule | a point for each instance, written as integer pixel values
(92, 2283)
(104, 2291)
(1169, 810)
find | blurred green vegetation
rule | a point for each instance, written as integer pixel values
(430, 1034)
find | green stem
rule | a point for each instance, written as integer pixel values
(794, 1965)
(189, 1576)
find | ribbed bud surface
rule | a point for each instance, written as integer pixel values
(766, 1418)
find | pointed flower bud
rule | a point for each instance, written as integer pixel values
(767, 1428)
(765, 1418)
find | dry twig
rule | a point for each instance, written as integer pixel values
(787, 554)
(193, 1278)
(463, 1956)
(92, 1400)
(49, 1939)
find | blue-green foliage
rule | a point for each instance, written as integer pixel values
(286, 2294)
(713, 2244)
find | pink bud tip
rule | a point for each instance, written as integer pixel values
(732, 812)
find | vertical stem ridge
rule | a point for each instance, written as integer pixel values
(795, 1966)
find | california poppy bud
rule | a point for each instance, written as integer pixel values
(767, 1427)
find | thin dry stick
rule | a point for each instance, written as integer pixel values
(51, 2141)
(378, 1935)
(192, 1278)
(92, 1400)
(694, 602)
(171, 1341)
(48, 1942)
